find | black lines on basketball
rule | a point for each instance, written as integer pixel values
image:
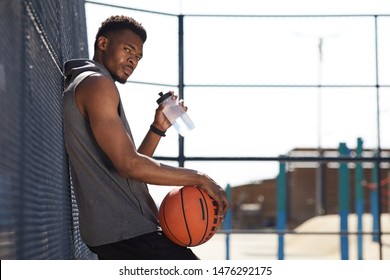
(201, 206)
(207, 220)
(188, 216)
(185, 218)
(166, 226)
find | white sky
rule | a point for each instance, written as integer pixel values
(260, 121)
(259, 6)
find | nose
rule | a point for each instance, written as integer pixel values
(133, 60)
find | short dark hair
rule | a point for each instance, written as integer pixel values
(119, 23)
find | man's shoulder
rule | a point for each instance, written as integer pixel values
(84, 67)
(98, 82)
(99, 79)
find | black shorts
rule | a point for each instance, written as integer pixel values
(150, 246)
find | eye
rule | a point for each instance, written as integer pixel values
(127, 49)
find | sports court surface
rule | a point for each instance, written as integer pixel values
(299, 247)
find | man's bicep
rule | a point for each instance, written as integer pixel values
(101, 107)
(97, 96)
(113, 139)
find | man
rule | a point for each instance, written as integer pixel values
(118, 217)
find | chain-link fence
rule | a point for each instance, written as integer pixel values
(38, 216)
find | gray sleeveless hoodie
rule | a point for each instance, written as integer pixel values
(111, 207)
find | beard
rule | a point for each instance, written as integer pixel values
(118, 79)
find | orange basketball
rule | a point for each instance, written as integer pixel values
(189, 216)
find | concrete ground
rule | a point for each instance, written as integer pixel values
(301, 246)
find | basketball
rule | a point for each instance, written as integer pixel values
(189, 216)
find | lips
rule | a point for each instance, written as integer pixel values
(128, 70)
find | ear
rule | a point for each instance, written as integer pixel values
(102, 43)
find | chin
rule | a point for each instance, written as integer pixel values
(119, 79)
(122, 81)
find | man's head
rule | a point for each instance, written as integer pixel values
(119, 46)
(120, 23)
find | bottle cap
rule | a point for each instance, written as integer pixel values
(163, 97)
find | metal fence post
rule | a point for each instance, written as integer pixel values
(359, 198)
(281, 208)
(228, 222)
(344, 201)
(374, 194)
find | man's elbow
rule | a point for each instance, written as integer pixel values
(129, 169)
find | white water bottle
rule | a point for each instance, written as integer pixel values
(176, 114)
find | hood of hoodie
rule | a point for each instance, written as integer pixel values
(73, 68)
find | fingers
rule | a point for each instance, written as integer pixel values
(223, 206)
(174, 96)
(219, 195)
(181, 101)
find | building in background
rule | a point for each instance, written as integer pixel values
(254, 206)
